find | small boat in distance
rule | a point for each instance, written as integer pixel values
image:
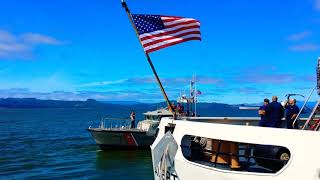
(116, 133)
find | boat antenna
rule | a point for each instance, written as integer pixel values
(125, 6)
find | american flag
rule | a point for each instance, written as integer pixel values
(157, 32)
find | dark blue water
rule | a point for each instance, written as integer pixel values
(54, 143)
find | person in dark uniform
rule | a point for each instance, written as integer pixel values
(173, 106)
(292, 111)
(133, 119)
(274, 113)
(262, 113)
(180, 110)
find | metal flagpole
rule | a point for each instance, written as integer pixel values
(124, 5)
(190, 99)
(196, 99)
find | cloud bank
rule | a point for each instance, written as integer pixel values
(317, 5)
(304, 47)
(151, 80)
(299, 36)
(83, 95)
(22, 45)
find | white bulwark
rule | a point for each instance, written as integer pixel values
(300, 160)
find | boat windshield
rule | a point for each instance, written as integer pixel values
(152, 117)
(156, 117)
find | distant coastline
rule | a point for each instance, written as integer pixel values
(38, 103)
(205, 109)
(89, 103)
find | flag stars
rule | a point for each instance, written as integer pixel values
(147, 23)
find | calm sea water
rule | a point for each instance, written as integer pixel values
(54, 143)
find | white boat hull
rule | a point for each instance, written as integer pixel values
(304, 147)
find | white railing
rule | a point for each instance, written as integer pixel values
(304, 106)
(248, 121)
(115, 123)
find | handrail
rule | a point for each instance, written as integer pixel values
(231, 119)
(317, 127)
(304, 104)
(115, 123)
(311, 115)
(122, 119)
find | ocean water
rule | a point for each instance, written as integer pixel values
(55, 144)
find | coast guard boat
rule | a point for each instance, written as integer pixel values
(117, 133)
(215, 148)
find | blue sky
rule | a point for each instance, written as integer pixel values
(75, 50)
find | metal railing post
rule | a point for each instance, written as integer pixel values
(304, 104)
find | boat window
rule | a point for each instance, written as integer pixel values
(152, 117)
(234, 156)
(156, 117)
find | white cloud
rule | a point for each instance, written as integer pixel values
(6, 37)
(317, 5)
(299, 36)
(80, 95)
(6, 49)
(52, 82)
(22, 45)
(104, 83)
(305, 47)
(152, 80)
(35, 38)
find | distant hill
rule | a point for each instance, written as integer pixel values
(121, 102)
(203, 109)
(37, 103)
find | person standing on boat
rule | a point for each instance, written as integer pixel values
(180, 109)
(292, 111)
(262, 113)
(173, 106)
(133, 119)
(274, 113)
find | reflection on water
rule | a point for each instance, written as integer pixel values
(127, 164)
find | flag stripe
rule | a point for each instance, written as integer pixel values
(155, 38)
(171, 44)
(181, 23)
(166, 31)
(170, 41)
(168, 19)
(145, 44)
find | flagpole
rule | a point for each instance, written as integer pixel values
(124, 5)
(196, 97)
